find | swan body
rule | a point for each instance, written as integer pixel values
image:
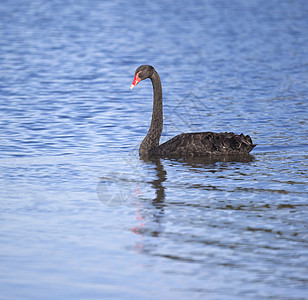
(195, 144)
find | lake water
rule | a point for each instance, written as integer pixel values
(82, 217)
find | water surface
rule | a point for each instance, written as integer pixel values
(82, 217)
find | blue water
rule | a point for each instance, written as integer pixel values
(82, 217)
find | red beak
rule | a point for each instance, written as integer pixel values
(135, 81)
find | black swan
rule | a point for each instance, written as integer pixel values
(196, 144)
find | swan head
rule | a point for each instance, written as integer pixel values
(141, 73)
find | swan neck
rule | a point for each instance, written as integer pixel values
(152, 138)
